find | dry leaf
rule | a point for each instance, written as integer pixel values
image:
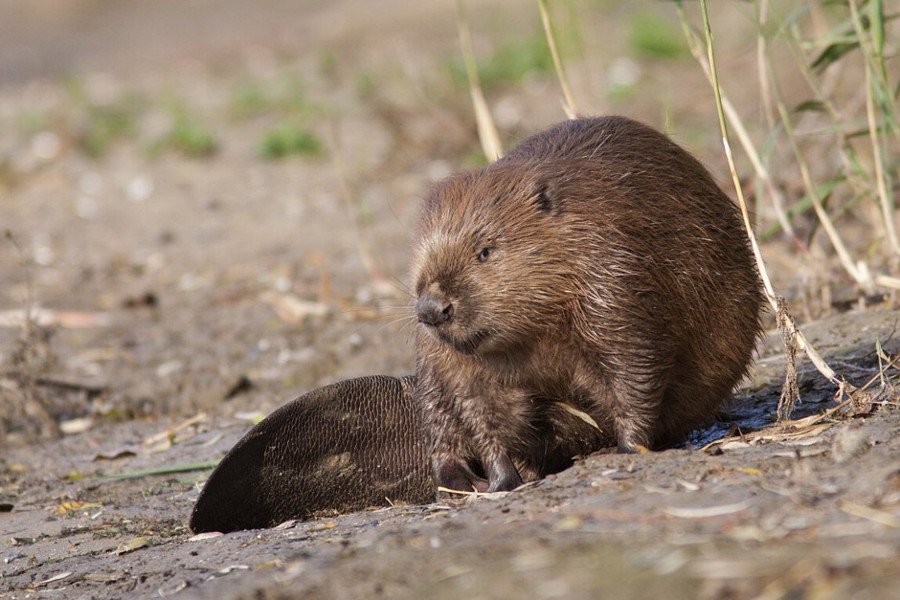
(114, 454)
(54, 578)
(162, 445)
(73, 426)
(74, 505)
(254, 416)
(205, 536)
(132, 545)
(292, 309)
(102, 577)
(705, 512)
(569, 523)
(170, 433)
(579, 413)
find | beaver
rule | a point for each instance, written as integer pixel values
(594, 288)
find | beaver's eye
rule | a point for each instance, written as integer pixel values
(484, 254)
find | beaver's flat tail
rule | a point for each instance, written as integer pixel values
(341, 448)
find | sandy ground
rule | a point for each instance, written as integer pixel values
(182, 295)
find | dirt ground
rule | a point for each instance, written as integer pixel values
(189, 280)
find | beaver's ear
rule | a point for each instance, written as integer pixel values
(544, 196)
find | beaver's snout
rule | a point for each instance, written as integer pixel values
(434, 309)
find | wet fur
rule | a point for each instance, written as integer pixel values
(618, 279)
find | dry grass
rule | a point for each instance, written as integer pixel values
(857, 269)
(827, 43)
(25, 404)
(487, 130)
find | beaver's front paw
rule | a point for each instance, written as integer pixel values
(502, 474)
(455, 474)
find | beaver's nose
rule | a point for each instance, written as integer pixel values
(433, 310)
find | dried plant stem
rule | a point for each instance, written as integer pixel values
(695, 46)
(885, 201)
(765, 93)
(845, 148)
(795, 333)
(569, 105)
(487, 131)
(765, 98)
(858, 272)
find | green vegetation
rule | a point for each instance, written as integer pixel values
(286, 96)
(249, 100)
(512, 63)
(34, 121)
(186, 135)
(290, 139)
(652, 36)
(98, 125)
(192, 138)
(860, 173)
(106, 124)
(848, 125)
(327, 63)
(366, 85)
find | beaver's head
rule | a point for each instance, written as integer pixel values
(491, 259)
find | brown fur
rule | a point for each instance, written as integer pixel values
(597, 265)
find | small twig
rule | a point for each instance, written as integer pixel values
(885, 201)
(737, 123)
(859, 272)
(472, 494)
(878, 516)
(487, 131)
(569, 106)
(880, 374)
(153, 439)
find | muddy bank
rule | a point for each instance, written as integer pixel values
(814, 507)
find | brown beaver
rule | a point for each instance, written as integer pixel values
(593, 288)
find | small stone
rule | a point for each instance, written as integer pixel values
(139, 188)
(848, 444)
(86, 207)
(46, 145)
(13, 555)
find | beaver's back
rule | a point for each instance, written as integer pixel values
(664, 250)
